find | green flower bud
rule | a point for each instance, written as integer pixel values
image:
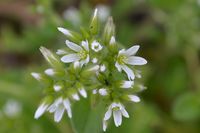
(109, 31)
(94, 23)
(51, 58)
(41, 78)
(71, 35)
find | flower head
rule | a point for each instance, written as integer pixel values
(118, 110)
(96, 46)
(80, 53)
(127, 57)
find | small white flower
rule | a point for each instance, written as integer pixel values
(103, 92)
(12, 108)
(58, 108)
(41, 109)
(127, 84)
(134, 98)
(94, 91)
(57, 87)
(94, 60)
(126, 57)
(102, 68)
(118, 111)
(96, 46)
(81, 53)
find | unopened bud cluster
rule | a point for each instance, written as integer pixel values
(91, 64)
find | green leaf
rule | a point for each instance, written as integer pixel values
(86, 119)
(187, 107)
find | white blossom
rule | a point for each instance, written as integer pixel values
(96, 46)
(58, 108)
(127, 57)
(103, 92)
(81, 53)
(102, 68)
(94, 60)
(118, 110)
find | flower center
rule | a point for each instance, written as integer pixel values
(116, 108)
(122, 59)
(82, 54)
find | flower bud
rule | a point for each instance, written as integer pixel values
(94, 23)
(71, 35)
(41, 78)
(52, 59)
(109, 31)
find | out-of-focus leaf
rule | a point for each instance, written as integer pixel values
(187, 107)
(85, 119)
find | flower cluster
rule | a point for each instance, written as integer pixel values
(90, 63)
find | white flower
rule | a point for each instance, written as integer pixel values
(127, 84)
(58, 108)
(57, 87)
(134, 98)
(102, 68)
(103, 92)
(41, 109)
(81, 53)
(12, 108)
(94, 60)
(96, 46)
(112, 40)
(126, 57)
(50, 72)
(118, 111)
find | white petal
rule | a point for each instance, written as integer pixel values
(57, 87)
(59, 113)
(58, 101)
(70, 58)
(64, 31)
(94, 68)
(118, 67)
(40, 111)
(108, 114)
(134, 98)
(49, 72)
(127, 84)
(135, 60)
(103, 92)
(105, 124)
(67, 106)
(85, 45)
(75, 97)
(132, 50)
(124, 112)
(129, 72)
(117, 117)
(73, 46)
(61, 52)
(83, 92)
(52, 108)
(76, 64)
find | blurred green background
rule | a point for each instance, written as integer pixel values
(168, 32)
